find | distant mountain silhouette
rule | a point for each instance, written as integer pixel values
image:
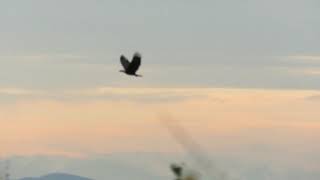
(57, 176)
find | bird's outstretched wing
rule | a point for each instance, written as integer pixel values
(124, 61)
(135, 64)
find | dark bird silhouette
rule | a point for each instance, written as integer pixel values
(194, 150)
(177, 170)
(130, 68)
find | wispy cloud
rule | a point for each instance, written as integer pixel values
(19, 92)
(51, 126)
(315, 97)
(304, 57)
(311, 71)
(150, 95)
(43, 57)
(305, 65)
(54, 126)
(304, 71)
(102, 91)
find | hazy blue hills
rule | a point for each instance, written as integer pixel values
(155, 166)
(57, 176)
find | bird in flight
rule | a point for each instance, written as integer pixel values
(130, 68)
(183, 172)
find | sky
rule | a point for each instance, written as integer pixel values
(244, 44)
(241, 76)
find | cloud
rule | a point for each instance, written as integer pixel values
(250, 126)
(315, 72)
(112, 94)
(304, 71)
(305, 57)
(142, 94)
(49, 125)
(17, 91)
(43, 57)
(315, 97)
(307, 65)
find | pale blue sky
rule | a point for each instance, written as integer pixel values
(77, 43)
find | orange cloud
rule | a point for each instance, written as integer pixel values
(230, 117)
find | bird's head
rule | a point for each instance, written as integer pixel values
(137, 54)
(183, 172)
(176, 169)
